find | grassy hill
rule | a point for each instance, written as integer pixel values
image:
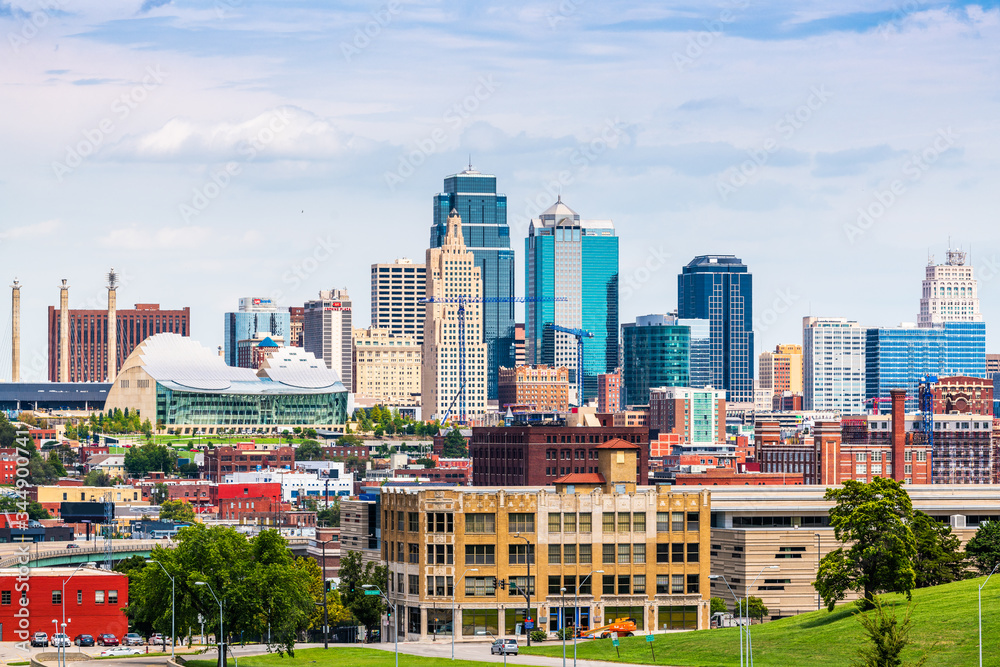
(945, 629)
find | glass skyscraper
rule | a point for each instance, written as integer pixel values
(576, 262)
(484, 227)
(719, 288)
(255, 315)
(656, 352)
(898, 357)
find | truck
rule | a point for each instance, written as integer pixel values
(625, 627)
(723, 619)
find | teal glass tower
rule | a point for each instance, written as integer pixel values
(571, 280)
(656, 352)
(484, 226)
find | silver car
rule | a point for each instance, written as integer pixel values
(504, 647)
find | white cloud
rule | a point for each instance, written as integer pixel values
(165, 238)
(37, 229)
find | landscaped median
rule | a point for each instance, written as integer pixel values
(944, 629)
(339, 656)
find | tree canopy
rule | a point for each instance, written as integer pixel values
(177, 511)
(354, 575)
(140, 461)
(984, 547)
(875, 520)
(454, 445)
(309, 450)
(939, 558)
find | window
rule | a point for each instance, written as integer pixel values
(693, 520)
(624, 522)
(624, 584)
(519, 554)
(397, 522)
(440, 522)
(480, 554)
(399, 552)
(480, 523)
(56, 597)
(413, 518)
(907, 456)
(676, 553)
(921, 455)
(907, 468)
(585, 523)
(677, 584)
(608, 587)
(98, 597)
(79, 597)
(413, 551)
(440, 554)
(554, 553)
(569, 554)
(5, 597)
(662, 553)
(586, 554)
(692, 552)
(399, 576)
(608, 554)
(414, 582)
(662, 584)
(861, 469)
(608, 523)
(677, 521)
(692, 582)
(624, 553)
(639, 583)
(555, 522)
(555, 583)
(861, 457)
(520, 523)
(639, 522)
(517, 585)
(639, 553)
(662, 522)
(480, 586)
(569, 523)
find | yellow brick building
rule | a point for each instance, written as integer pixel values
(636, 552)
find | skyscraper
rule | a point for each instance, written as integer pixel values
(575, 262)
(484, 225)
(656, 352)
(397, 292)
(254, 315)
(949, 292)
(719, 288)
(833, 365)
(327, 332)
(452, 273)
(781, 370)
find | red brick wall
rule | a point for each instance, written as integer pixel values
(84, 617)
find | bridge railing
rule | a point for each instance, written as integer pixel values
(121, 546)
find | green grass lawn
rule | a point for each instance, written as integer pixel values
(340, 657)
(944, 629)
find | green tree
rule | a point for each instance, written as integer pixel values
(57, 466)
(97, 478)
(330, 516)
(309, 450)
(178, 511)
(887, 637)
(159, 494)
(717, 605)
(755, 608)
(426, 463)
(875, 520)
(939, 558)
(140, 461)
(454, 445)
(350, 440)
(189, 469)
(11, 505)
(354, 575)
(984, 547)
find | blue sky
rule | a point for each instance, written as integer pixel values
(213, 150)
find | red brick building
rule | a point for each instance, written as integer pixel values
(94, 604)
(672, 410)
(343, 451)
(609, 392)
(196, 492)
(963, 395)
(730, 477)
(222, 492)
(41, 435)
(540, 388)
(539, 455)
(448, 471)
(221, 461)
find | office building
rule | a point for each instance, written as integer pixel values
(360, 527)
(87, 337)
(781, 370)
(719, 288)
(255, 315)
(950, 292)
(250, 353)
(700, 356)
(656, 352)
(387, 367)
(992, 364)
(296, 323)
(486, 235)
(535, 388)
(900, 356)
(696, 416)
(171, 379)
(963, 395)
(398, 291)
(571, 279)
(609, 392)
(519, 344)
(225, 460)
(327, 332)
(447, 549)
(454, 374)
(833, 359)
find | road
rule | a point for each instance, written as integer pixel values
(480, 652)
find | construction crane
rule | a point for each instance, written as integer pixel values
(875, 401)
(461, 300)
(580, 334)
(925, 394)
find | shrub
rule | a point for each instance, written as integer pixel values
(539, 635)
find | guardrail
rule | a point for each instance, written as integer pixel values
(122, 547)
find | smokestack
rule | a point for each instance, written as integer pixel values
(898, 397)
(64, 332)
(112, 325)
(15, 341)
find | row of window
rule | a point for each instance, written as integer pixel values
(483, 523)
(99, 597)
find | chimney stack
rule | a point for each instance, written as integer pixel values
(898, 397)
(112, 325)
(64, 332)
(15, 342)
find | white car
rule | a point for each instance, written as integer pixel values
(61, 640)
(121, 650)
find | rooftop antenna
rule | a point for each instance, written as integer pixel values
(470, 161)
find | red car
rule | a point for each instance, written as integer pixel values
(107, 639)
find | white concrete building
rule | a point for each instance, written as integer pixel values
(833, 360)
(295, 485)
(950, 292)
(327, 331)
(398, 290)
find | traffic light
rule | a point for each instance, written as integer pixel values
(503, 584)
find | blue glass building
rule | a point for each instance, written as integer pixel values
(575, 261)
(656, 352)
(898, 357)
(719, 288)
(484, 226)
(254, 316)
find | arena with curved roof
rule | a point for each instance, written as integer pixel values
(188, 387)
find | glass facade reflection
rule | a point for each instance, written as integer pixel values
(655, 353)
(250, 409)
(244, 325)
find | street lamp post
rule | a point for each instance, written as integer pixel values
(981, 614)
(738, 605)
(56, 632)
(576, 611)
(453, 609)
(527, 586)
(173, 616)
(395, 635)
(562, 628)
(326, 615)
(749, 620)
(222, 634)
(819, 557)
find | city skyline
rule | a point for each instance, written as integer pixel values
(190, 147)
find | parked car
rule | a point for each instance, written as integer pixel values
(107, 639)
(133, 639)
(40, 639)
(61, 640)
(72, 546)
(83, 640)
(121, 650)
(504, 646)
(157, 638)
